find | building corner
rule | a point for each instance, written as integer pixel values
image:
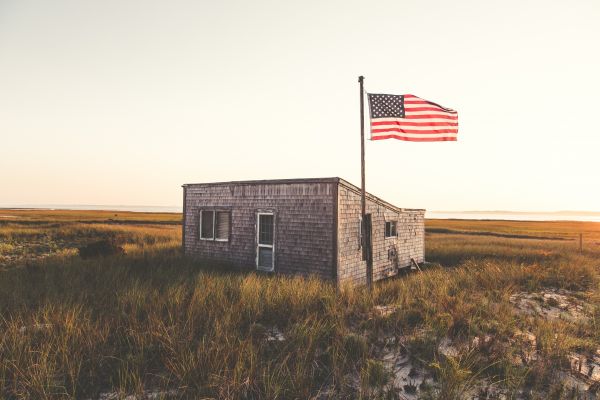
(183, 219)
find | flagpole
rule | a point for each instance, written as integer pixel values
(363, 205)
(362, 146)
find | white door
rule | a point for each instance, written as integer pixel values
(265, 246)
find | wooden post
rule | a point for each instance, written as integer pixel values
(363, 204)
(581, 242)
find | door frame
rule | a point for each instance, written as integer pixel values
(368, 246)
(267, 246)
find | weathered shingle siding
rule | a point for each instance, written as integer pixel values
(304, 224)
(408, 244)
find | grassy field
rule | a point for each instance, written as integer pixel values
(508, 309)
(28, 235)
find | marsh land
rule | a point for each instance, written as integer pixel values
(505, 310)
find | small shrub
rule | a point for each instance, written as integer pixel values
(101, 248)
(355, 346)
(374, 374)
(552, 302)
(413, 317)
(258, 331)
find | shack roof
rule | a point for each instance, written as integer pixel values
(338, 180)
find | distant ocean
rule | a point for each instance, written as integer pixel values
(501, 215)
(517, 216)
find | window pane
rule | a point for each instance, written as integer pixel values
(390, 228)
(222, 228)
(265, 257)
(265, 229)
(206, 230)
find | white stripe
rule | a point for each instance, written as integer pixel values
(419, 120)
(438, 112)
(415, 135)
(411, 105)
(415, 128)
(424, 105)
(409, 126)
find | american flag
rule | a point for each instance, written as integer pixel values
(408, 117)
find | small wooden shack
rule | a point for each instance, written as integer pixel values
(299, 226)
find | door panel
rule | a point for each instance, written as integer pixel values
(265, 258)
(265, 242)
(265, 229)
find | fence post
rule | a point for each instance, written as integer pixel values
(581, 242)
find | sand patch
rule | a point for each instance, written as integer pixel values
(407, 379)
(551, 304)
(149, 395)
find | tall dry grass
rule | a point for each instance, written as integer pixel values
(155, 320)
(33, 235)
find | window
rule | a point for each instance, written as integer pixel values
(265, 232)
(265, 247)
(215, 225)
(222, 224)
(390, 229)
(207, 225)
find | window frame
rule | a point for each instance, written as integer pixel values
(228, 226)
(268, 246)
(214, 212)
(200, 222)
(395, 225)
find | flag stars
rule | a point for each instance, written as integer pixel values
(386, 105)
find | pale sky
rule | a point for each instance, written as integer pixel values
(121, 102)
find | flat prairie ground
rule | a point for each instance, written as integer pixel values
(504, 310)
(28, 235)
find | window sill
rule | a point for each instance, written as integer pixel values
(214, 240)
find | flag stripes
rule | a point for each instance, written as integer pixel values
(408, 117)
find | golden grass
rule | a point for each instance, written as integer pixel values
(154, 320)
(32, 234)
(561, 229)
(25, 216)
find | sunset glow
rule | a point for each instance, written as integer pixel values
(115, 102)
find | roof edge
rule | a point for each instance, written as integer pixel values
(336, 179)
(267, 181)
(376, 199)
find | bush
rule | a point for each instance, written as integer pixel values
(101, 248)
(355, 346)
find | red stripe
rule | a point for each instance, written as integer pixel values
(412, 139)
(414, 123)
(416, 102)
(415, 130)
(429, 109)
(426, 116)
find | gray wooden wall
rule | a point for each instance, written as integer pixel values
(316, 228)
(408, 244)
(304, 224)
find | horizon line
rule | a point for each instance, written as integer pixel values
(122, 207)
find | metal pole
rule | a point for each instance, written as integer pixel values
(365, 250)
(581, 242)
(362, 148)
